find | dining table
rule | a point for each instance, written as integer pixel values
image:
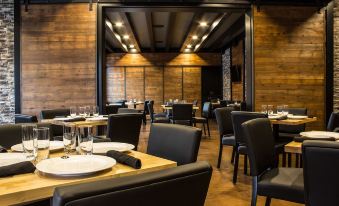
(134, 104)
(166, 107)
(88, 122)
(32, 187)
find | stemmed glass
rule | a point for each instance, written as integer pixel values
(73, 111)
(95, 111)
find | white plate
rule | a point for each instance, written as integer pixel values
(12, 158)
(77, 165)
(103, 147)
(275, 116)
(291, 116)
(97, 119)
(53, 146)
(320, 134)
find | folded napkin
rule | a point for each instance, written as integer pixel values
(125, 159)
(75, 119)
(16, 169)
(2, 149)
(301, 139)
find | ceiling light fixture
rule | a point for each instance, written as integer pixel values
(126, 37)
(131, 46)
(203, 23)
(189, 46)
(195, 37)
(118, 24)
(133, 50)
(187, 50)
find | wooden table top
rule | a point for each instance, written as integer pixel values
(293, 147)
(26, 188)
(170, 107)
(293, 121)
(77, 124)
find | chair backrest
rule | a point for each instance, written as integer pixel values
(206, 109)
(321, 169)
(146, 111)
(182, 112)
(52, 113)
(127, 111)
(23, 118)
(224, 120)
(333, 122)
(174, 142)
(113, 108)
(180, 186)
(294, 129)
(260, 144)
(239, 117)
(124, 128)
(151, 110)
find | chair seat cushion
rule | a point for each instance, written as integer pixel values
(199, 119)
(242, 149)
(228, 140)
(161, 120)
(283, 183)
(162, 114)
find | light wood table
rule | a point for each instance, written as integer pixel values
(170, 107)
(26, 188)
(293, 121)
(76, 124)
(293, 147)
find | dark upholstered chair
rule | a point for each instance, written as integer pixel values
(154, 117)
(280, 183)
(24, 118)
(112, 109)
(239, 117)
(333, 122)
(225, 127)
(182, 114)
(174, 142)
(223, 103)
(204, 119)
(58, 130)
(321, 168)
(128, 111)
(180, 186)
(124, 128)
(145, 112)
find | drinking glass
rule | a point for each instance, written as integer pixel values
(280, 109)
(29, 141)
(269, 109)
(95, 111)
(264, 109)
(285, 109)
(73, 111)
(69, 140)
(42, 135)
(85, 140)
(82, 111)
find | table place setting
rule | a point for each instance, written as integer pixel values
(317, 135)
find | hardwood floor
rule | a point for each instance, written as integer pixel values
(221, 192)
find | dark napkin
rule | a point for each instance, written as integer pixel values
(16, 169)
(125, 159)
(75, 119)
(2, 149)
(301, 139)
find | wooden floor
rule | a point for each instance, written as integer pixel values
(221, 192)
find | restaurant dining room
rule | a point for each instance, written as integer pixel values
(169, 102)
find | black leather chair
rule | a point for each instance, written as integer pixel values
(124, 128)
(321, 168)
(58, 130)
(24, 118)
(182, 114)
(225, 127)
(239, 117)
(145, 112)
(180, 186)
(269, 181)
(154, 117)
(333, 122)
(204, 119)
(174, 142)
(112, 109)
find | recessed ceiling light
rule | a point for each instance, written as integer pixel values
(126, 37)
(203, 23)
(189, 46)
(194, 37)
(131, 46)
(204, 37)
(187, 50)
(118, 24)
(133, 50)
(197, 46)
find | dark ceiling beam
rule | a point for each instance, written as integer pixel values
(111, 32)
(130, 29)
(191, 29)
(215, 26)
(169, 32)
(149, 23)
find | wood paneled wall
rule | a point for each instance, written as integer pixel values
(238, 59)
(289, 59)
(58, 43)
(159, 76)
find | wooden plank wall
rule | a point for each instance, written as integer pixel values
(289, 59)
(238, 59)
(166, 76)
(58, 56)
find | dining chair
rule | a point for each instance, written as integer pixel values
(333, 122)
(124, 128)
(321, 168)
(155, 118)
(182, 114)
(180, 186)
(112, 109)
(268, 180)
(58, 130)
(178, 143)
(145, 112)
(225, 127)
(239, 117)
(24, 118)
(204, 119)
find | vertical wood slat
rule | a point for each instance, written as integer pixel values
(173, 83)
(135, 83)
(192, 85)
(154, 86)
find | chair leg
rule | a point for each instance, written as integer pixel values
(245, 164)
(220, 155)
(284, 159)
(208, 129)
(235, 170)
(301, 161)
(289, 159)
(254, 191)
(296, 160)
(268, 201)
(204, 128)
(233, 154)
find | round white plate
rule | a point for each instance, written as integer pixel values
(12, 158)
(320, 134)
(103, 147)
(77, 165)
(53, 146)
(291, 116)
